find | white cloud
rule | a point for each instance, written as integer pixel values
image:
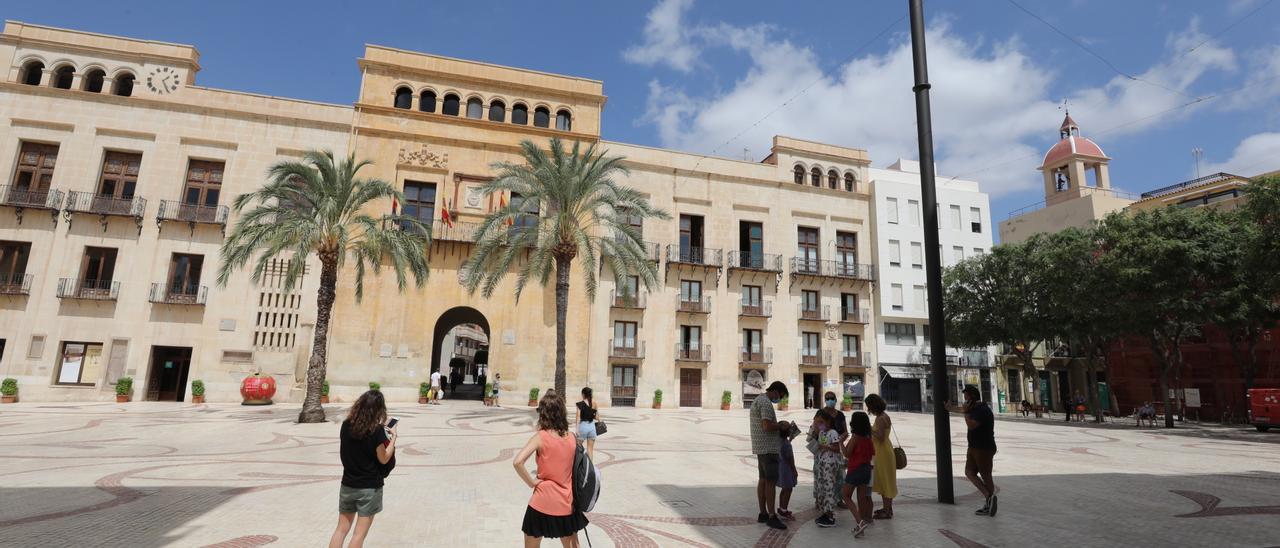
(666, 39)
(1256, 154)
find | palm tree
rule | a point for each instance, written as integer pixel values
(316, 207)
(565, 205)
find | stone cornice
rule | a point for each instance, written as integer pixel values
(103, 52)
(478, 124)
(591, 99)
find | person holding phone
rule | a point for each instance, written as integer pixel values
(982, 446)
(550, 513)
(368, 453)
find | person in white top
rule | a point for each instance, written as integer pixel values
(435, 387)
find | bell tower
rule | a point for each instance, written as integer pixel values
(1067, 165)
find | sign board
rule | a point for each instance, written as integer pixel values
(1192, 397)
(508, 336)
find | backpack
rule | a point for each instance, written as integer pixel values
(586, 481)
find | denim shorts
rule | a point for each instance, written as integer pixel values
(354, 500)
(586, 430)
(859, 476)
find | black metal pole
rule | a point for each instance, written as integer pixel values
(932, 260)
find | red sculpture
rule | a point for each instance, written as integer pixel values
(257, 389)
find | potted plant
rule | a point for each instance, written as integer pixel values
(846, 404)
(725, 399)
(375, 386)
(488, 393)
(9, 390)
(533, 397)
(782, 405)
(324, 391)
(424, 392)
(197, 391)
(124, 389)
(657, 399)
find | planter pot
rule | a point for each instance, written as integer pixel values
(257, 390)
(533, 403)
(724, 407)
(122, 398)
(197, 399)
(783, 407)
(422, 399)
(324, 398)
(657, 405)
(9, 399)
(846, 407)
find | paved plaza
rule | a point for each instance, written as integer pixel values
(151, 474)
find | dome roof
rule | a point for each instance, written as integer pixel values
(1072, 145)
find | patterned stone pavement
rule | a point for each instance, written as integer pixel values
(163, 474)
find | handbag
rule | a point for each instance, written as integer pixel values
(899, 454)
(601, 427)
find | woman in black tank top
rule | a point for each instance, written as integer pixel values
(587, 422)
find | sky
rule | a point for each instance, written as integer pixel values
(1148, 81)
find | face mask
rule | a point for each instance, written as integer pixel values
(831, 403)
(775, 400)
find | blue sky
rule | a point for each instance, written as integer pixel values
(692, 74)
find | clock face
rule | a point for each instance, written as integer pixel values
(162, 81)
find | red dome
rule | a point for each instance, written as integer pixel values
(1072, 145)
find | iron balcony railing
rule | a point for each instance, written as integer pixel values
(854, 359)
(760, 309)
(769, 262)
(832, 269)
(626, 349)
(693, 352)
(90, 202)
(459, 232)
(700, 306)
(627, 299)
(756, 356)
(652, 251)
(188, 294)
(698, 256)
(859, 315)
(814, 356)
(25, 197)
(815, 314)
(92, 290)
(172, 210)
(15, 284)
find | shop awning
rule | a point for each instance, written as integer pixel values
(905, 371)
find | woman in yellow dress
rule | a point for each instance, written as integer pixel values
(884, 475)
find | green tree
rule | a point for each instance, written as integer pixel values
(569, 206)
(1251, 302)
(317, 207)
(999, 298)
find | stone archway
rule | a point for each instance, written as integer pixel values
(450, 319)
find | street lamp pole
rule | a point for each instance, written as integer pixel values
(933, 259)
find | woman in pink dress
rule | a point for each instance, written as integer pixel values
(550, 513)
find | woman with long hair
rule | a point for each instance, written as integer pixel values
(550, 512)
(587, 416)
(884, 477)
(368, 452)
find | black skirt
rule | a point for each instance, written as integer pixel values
(540, 525)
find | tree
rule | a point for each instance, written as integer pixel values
(1251, 302)
(1169, 267)
(566, 204)
(999, 298)
(316, 207)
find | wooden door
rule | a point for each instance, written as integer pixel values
(690, 388)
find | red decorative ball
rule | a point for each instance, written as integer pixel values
(258, 389)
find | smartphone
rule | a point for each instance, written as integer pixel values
(392, 423)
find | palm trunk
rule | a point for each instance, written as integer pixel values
(312, 411)
(562, 309)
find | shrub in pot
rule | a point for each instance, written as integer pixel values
(424, 392)
(324, 391)
(533, 397)
(725, 399)
(197, 391)
(375, 386)
(9, 390)
(488, 393)
(124, 389)
(847, 403)
(657, 399)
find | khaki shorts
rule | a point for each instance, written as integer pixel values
(365, 502)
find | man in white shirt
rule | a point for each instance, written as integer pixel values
(435, 387)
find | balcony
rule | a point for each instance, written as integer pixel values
(702, 306)
(171, 210)
(817, 357)
(15, 284)
(832, 270)
(179, 294)
(21, 199)
(853, 359)
(89, 290)
(762, 309)
(627, 300)
(694, 256)
(623, 349)
(693, 353)
(652, 251)
(760, 356)
(459, 232)
(858, 316)
(814, 314)
(105, 206)
(763, 262)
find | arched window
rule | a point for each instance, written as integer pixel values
(815, 177)
(63, 76)
(124, 84)
(542, 117)
(520, 114)
(450, 105)
(563, 120)
(497, 111)
(427, 101)
(799, 172)
(404, 98)
(93, 81)
(848, 182)
(833, 180)
(475, 109)
(31, 73)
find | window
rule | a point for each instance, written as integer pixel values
(404, 98)
(924, 329)
(451, 104)
(848, 307)
(623, 391)
(849, 182)
(799, 174)
(34, 174)
(900, 334)
(691, 291)
(624, 336)
(497, 111)
(913, 212)
(691, 239)
(809, 303)
(751, 296)
(541, 117)
(427, 101)
(117, 183)
(184, 276)
(530, 217)
(520, 114)
(895, 293)
(833, 179)
(957, 253)
(634, 222)
(810, 344)
(629, 286)
(63, 76)
(849, 346)
(97, 271)
(93, 80)
(955, 217)
(751, 244)
(815, 177)
(895, 253)
(807, 249)
(691, 339)
(891, 210)
(419, 202)
(978, 252)
(846, 254)
(124, 84)
(975, 220)
(32, 72)
(752, 343)
(13, 266)
(563, 120)
(917, 255)
(918, 298)
(475, 109)
(203, 186)
(79, 363)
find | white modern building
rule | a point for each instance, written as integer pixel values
(902, 315)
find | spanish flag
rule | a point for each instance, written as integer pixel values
(502, 204)
(445, 217)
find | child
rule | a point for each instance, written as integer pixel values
(826, 474)
(860, 452)
(787, 473)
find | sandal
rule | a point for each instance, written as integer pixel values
(882, 514)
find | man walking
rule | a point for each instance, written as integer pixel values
(435, 387)
(765, 444)
(982, 446)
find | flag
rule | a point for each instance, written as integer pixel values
(445, 217)
(502, 204)
(395, 205)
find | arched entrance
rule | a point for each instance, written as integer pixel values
(467, 358)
